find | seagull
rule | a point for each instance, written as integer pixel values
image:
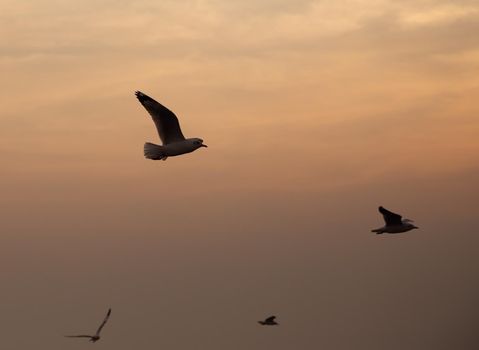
(96, 337)
(394, 223)
(174, 143)
(269, 321)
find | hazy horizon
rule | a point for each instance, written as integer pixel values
(315, 113)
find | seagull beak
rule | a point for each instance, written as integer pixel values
(202, 145)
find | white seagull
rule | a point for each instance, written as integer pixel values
(270, 321)
(174, 143)
(394, 223)
(96, 337)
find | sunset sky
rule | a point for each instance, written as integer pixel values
(315, 113)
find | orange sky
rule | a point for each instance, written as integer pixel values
(315, 113)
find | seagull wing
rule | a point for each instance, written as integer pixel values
(270, 319)
(78, 336)
(103, 323)
(390, 218)
(165, 120)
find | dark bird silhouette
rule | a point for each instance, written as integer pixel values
(394, 223)
(270, 321)
(174, 143)
(96, 337)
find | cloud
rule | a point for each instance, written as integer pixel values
(438, 14)
(284, 74)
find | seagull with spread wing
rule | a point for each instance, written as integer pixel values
(96, 337)
(174, 143)
(394, 223)
(270, 321)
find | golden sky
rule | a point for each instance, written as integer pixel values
(315, 113)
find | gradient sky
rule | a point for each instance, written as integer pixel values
(315, 113)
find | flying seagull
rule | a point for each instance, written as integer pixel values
(269, 321)
(96, 337)
(174, 143)
(394, 223)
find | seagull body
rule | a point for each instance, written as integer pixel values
(96, 337)
(394, 223)
(168, 126)
(270, 321)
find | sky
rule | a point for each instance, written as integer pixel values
(315, 113)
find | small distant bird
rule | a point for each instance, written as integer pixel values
(394, 223)
(270, 321)
(174, 143)
(96, 337)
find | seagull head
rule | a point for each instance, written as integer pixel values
(410, 226)
(198, 142)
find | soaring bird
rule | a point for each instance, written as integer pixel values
(270, 321)
(96, 337)
(174, 143)
(394, 223)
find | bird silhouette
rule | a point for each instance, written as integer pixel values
(96, 337)
(394, 223)
(168, 126)
(270, 321)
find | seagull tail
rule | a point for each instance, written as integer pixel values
(153, 151)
